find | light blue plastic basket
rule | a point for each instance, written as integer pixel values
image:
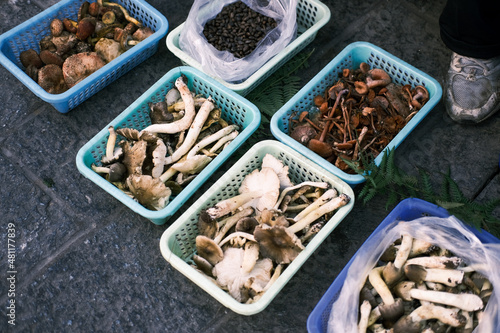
(28, 34)
(235, 110)
(178, 242)
(355, 53)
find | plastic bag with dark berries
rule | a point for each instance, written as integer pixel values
(232, 39)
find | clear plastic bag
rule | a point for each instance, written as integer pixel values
(224, 64)
(447, 233)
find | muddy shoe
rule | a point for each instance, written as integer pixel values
(472, 88)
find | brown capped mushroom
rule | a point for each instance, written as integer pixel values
(51, 79)
(78, 66)
(150, 192)
(30, 57)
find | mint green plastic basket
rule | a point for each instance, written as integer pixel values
(311, 16)
(401, 73)
(235, 110)
(177, 243)
(28, 34)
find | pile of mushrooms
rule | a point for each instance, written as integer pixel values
(360, 113)
(186, 133)
(246, 241)
(77, 48)
(420, 287)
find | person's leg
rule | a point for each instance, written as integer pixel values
(469, 28)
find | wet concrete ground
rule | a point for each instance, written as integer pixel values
(86, 263)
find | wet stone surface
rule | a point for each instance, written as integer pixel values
(87, 263)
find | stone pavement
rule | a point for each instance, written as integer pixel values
(86, 263)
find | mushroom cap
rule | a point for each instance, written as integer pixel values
(277, 243)
(246, 224)
(206, 225)
(30, 57)
(269, 161)
(303, 134)
(266, 181)
(159, 113)
(393, 311)
(209, 250)
(117, 172)
(78, 66)
(203, 265)
(172, 96)
(51, 79)
(49, 57)
(134, 156)
(142, 33)
(150, 192)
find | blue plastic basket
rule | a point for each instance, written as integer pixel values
(355, 53)
(235, 109)
(28, 34)
(406, 210)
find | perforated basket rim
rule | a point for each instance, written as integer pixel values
(413, 207)
(60, 101)
(431, 84)
(243, 88)
(161, 216)
(179, 227)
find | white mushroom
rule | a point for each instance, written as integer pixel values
(436, 262)
(158, 159)
(210, 139)
(194, 130)
(259, 189)
(183, 123)
(412, 322)
(269, 161)
(291, 188)
(327, 196)
(192, 165)
(328, 207)
(365, 310)
(393, 270)
(449, 277)
(467, 302)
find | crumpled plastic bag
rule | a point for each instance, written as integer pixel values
(448, 233)
(224, 64)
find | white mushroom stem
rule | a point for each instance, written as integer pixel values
(274, 277)
(194, 131)
(183, 123)
(211, 138)
(426, 312)
(376, 280)
(98, 169)
(291, 188)
(235, 234)
(230, 205)
(404, 251)
(230, 222)
(449, 277)
(422, 286)
(328, 207)
(436, 262)
(365, 310)
(250, 256)
(329, 194)
(110, 146)
(224, 141)
(374, 316)
(466, 302)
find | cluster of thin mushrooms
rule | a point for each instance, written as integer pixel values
(246, 241)
(186, 133)
(420, 287)
(359, 114)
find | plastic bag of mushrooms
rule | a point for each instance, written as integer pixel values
(79, 46)
(246, 241)
(186, 133)
(427, 275)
